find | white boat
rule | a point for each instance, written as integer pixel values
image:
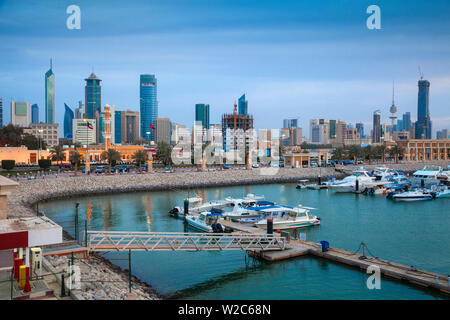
(179, 211)
(348, 184)
(430, 175)
(415, 195)
(441, 191)
(205, 221)
(285, 217)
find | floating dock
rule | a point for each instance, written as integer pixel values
(296, 248)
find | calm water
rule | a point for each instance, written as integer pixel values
(409, 233)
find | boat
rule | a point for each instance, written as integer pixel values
(179, 211)
(206, 222)
(285, 217)
(430, 175)
(353, 182)
(302, 184)
(414, 195)
(441, 191)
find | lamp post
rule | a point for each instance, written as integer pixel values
(40, 144)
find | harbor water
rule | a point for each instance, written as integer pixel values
(412, 233)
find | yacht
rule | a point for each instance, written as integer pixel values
(348, 184)
(430, 175)
(441, 191)
(414, 195)
(206, 221)
(285, 217)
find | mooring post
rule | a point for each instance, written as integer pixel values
(357, 184)
(63, 289)
(186, 208)
(76, 222)
(269, 225)
(129, 269)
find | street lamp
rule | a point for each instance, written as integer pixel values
(40, 146)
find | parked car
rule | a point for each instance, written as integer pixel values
(313, 164)
(99, 169)
(124, 168)
(255, 165)
(226, 166)
(65, 165)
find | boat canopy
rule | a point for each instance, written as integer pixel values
(270, 208)
(265, 203)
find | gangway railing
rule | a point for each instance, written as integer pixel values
(173, 241)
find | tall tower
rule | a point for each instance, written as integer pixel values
(202, 114)
(393, 109)
(423, 123)
(93, 96)
(107, 127)
(376, 133)
(50, 95)
(243, 105)
(68, 122)
(148, 105)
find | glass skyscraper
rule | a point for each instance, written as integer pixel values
(407, 121)
(93, 96)
(376, 133)
(148, 105)
(34, 113)
(1, 112)
(117, 127)
(68, 122)
(360, 129)
(242, 105)
(50, 96)
(202, 114)
(423, 123)
(290, 123)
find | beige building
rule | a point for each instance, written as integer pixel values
(162, 126)
(82, 133)
(21, 155)
(20, 113)
(425, 149)
(130, 126)
(299, 159)
(48, 132)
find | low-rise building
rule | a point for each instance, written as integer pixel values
(48, 132)
(425, 149)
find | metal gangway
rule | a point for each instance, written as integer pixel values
(174, 241)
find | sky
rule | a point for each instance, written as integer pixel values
(292, 59)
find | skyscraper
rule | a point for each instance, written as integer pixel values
(117, 127)
(93, 96)
(423, 123)
(130, 126)
(162, 130)
(202, 114)
(360, 129)
(50, 95)
(148, 105)
(242, 105)
(20, 113)
(376, 133)
(290, 123)
(34, 113)
(1, 112)
(68, 122)
(407, 121)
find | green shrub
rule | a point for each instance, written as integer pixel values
(45, 163)
(8, 164)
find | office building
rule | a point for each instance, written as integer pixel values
(376, 132)
(20, 114)
(243, 105)
(148, 105)
(68, 122)
(442, 134)
(129, 126)
(84, 131)
(290, 123)
(360, 128)
(117, 127)
(162, 128)
(50, 96)
(34, 113)
(423, 123)
(93, 97)
(79, 112)
(320, 130)
(202, 114)
(237, 130)
(48, 132)
(406, 121)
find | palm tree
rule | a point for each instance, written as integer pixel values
(355, 152)
(396, 151)
(57, 153)
(163, 153)
(111, 156)
(338, 153)
(76, 158)
(381, 152)
(140, 157)
(368, 152)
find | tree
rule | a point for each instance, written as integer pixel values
(75, 159)
(57, 154)
(8, 164)
(32, 142)
(355, 152)
(140, 157)
(163, 153)
(338, 153)
(11, 135)
(396, 151)
(380, 151)
(111, 156)
(45, 163)
(368, 152)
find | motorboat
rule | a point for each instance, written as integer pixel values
(441, 191)
(414, 195)
(206, 222)
(285, 217)
(192, 202)
(302, 184)
(430, 175)
(353, 182)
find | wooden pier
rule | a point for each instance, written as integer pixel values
(296, 248)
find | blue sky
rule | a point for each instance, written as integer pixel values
(305, 59)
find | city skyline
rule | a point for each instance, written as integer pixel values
(203, 67)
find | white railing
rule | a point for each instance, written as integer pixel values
(167, 241)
